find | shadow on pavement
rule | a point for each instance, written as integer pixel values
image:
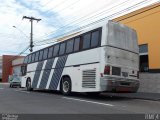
(102, 96)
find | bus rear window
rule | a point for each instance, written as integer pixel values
(122, 37)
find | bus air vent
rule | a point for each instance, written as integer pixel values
(88, 79)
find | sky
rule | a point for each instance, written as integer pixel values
(58, 18)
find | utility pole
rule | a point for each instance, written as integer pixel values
(31, 39)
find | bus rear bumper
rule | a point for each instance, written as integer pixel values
(119, 85)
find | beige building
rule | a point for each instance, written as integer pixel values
(16, 66)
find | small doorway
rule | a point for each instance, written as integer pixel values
(143, 55)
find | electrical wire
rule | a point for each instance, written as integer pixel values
(47, 3)
(110, 9)
(120, 12)
(16, 56)
(63, 10)
(142, 17)
(64, 1)
(97, 15)
(84, 17)
(78, 28)
(138, 13)
(11, 52)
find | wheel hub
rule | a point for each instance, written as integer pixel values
(65, 86)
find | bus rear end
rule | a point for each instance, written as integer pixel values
(121, 64)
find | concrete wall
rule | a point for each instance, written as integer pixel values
(150, 82)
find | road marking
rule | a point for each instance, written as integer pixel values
(88, 101)
(1, 88)
(22, 91)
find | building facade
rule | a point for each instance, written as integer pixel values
(146, 22)
(16, 66)
(11, 65)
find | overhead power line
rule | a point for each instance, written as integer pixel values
(144, 16)
(108, 17)
(78, 21)
(11, 52)
(64, 1)
(16, 56)
(138, 13)
(96, 16)
(89, 14)
(47, 3)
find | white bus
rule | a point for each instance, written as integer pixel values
(101, 58)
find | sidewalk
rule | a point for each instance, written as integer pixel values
(138, 95)
(4, 85)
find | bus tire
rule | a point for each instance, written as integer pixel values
(28, 85)
(66, 86)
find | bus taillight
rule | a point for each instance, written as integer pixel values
(107, 70)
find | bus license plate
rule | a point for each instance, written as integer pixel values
(124, 74)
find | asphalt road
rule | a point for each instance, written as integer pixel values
(19, 101)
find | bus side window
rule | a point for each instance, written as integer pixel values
(26, 59)
(95, 39)
(37, 55)
(33, 57)
(76, 44)
(50, 52)
(62, 48)
(41, 55)
(29, 58)
(56, 49)
(69, 47)
(45, 54)
(86, 41)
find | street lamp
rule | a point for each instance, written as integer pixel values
(21, 31)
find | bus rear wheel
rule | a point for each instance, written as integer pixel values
(66, 86)
(28, 85)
